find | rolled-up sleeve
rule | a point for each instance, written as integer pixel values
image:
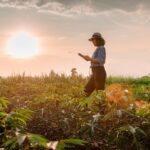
(101, 56)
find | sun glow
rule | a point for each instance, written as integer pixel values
(22, 45)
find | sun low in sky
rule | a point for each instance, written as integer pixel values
(22, 45)
(38, 36)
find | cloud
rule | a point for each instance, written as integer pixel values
(73, 7)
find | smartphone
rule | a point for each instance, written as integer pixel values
(80, 55)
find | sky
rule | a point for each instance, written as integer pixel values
(63, 27)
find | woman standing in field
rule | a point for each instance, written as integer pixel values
(98, 77)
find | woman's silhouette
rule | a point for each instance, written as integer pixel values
(98, 77)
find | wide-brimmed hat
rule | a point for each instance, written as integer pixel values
(95, 35)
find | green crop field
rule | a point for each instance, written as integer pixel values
(51, 108)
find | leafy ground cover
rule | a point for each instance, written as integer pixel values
(117, 118)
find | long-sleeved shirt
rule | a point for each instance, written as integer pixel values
(100, 55)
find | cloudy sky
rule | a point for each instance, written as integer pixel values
(62, 29)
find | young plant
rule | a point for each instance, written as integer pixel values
(130, 131)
